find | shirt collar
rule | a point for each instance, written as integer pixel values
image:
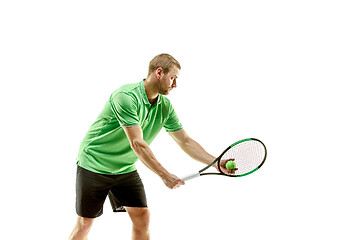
(143, 94)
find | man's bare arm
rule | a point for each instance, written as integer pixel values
(144, 153)
(191, 147)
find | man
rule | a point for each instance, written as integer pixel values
(130, 120)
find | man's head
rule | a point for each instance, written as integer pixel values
(165, 69)
(164, 61)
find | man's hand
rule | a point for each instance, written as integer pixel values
(172, 181)
(223, 167)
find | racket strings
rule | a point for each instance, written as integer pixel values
(247, 156)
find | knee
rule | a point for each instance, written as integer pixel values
(84, 224)
(142, 219)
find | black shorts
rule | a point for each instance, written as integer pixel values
(124, 190)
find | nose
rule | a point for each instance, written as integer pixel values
(174, 84)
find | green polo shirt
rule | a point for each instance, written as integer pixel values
(105, 148)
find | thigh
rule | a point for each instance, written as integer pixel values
(91, 191)
(128, 192)
(139, 215)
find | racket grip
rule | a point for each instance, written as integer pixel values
(191, 176)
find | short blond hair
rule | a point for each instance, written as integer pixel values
(165, 61)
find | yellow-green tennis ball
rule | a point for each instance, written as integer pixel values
(230, 165)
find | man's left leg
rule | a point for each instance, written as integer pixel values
(140, 217)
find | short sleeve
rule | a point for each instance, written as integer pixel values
(125, 106)
(172, 124)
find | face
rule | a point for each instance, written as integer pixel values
(168, 81)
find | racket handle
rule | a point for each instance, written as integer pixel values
(191, 176)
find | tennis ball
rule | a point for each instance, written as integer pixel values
(230, 165)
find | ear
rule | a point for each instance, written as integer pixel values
(159, 72)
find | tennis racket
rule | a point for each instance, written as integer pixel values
(248, 154)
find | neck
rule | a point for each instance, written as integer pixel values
(150, 90)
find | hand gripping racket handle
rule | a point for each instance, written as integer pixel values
(191, 176)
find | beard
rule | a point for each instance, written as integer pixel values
(162, 90)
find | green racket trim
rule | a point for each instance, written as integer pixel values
(244, 140)
(247, 173)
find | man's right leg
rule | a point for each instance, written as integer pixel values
(91, 192)
(81, 229)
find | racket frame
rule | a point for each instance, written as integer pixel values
(217, 161)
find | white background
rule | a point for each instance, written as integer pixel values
(285, 72)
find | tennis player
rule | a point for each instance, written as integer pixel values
(122, 133)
